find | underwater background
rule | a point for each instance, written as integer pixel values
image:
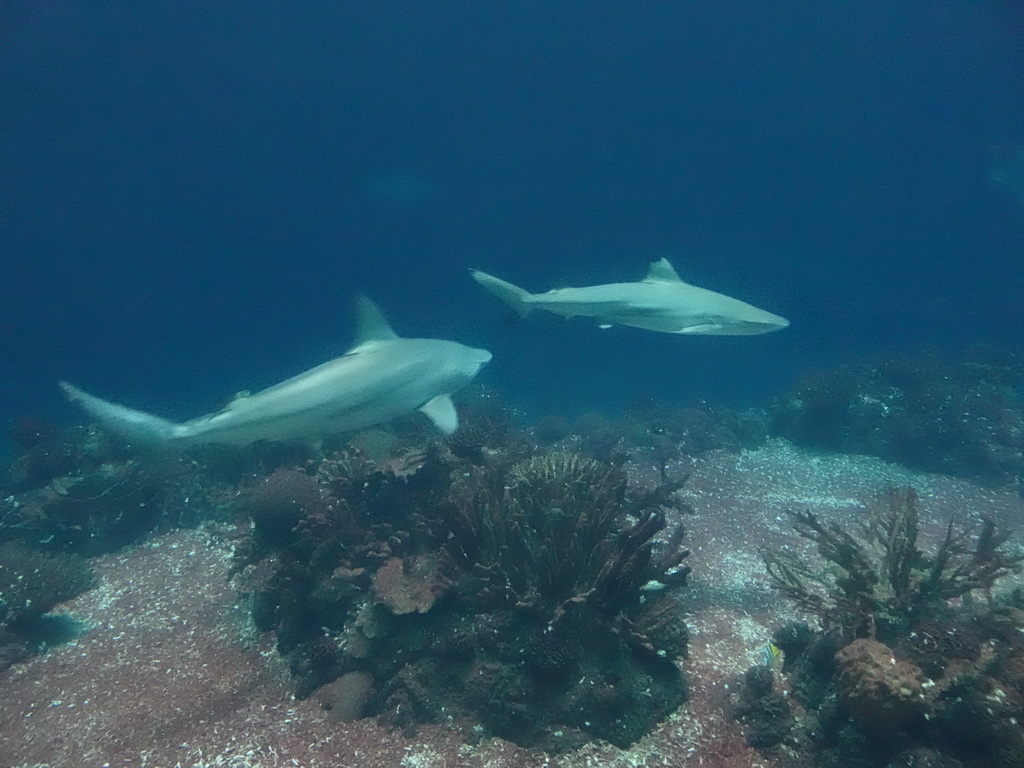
(799, 550)
(193, 192)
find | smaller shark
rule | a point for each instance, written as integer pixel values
(659, 302)
(380, 378)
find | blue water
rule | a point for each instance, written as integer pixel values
(191, 192)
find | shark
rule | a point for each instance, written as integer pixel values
(660, 302)
(381, 377)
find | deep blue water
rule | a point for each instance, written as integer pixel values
(191, 192)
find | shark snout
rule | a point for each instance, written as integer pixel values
(480, 358)
(767, 324)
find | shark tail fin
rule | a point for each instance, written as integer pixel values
(513, 295)
(136, 427)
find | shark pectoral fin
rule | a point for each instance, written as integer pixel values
(441, 411)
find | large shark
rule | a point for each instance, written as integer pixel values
(380, 378)
(659, 302)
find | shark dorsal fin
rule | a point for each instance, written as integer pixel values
(371, 325)
(662, 271)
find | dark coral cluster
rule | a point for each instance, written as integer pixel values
(964, 418)
(32, 583)
(907, 668)
(764, 709)
(547, 530)
(699, 428)
(662, 431)
(87, 513)
(80, 491)
(526, 596)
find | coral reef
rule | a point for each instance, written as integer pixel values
(482, 586)
(881, 584)
(525, 595)
(905, 659)
(696, 429)
(665, 432)
(80, 491)
(488, 428)
(405, 651)
(43, 453)
(97, 511)
(883, 695)
(32, 583)
(280, 501)
(963, 418)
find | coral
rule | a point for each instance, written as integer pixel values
(883, 695)
(43, 455)
(46, 454)
(347, 698)
(793, 638)
(880, 584)
(599, 438)
(523, 594)
(280, 501)
(963, 418)
(412, 585)
(900, 664)
(695, 430)
(547, 533)
(488, 427)
(544, 540)
(759, 681)
(32, 583)
(660, 431)
(662, 623)
(763, 709)
(551, 429)
(364, 493)
(353, 541)
(28, 432)
(90, 513)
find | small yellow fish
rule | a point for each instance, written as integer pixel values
(772, 656)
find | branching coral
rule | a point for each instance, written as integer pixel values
(524, 594)
(547, 532)
(901, 665)
(880, 583)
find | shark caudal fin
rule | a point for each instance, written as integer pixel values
(512, 295)
(140, 429)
